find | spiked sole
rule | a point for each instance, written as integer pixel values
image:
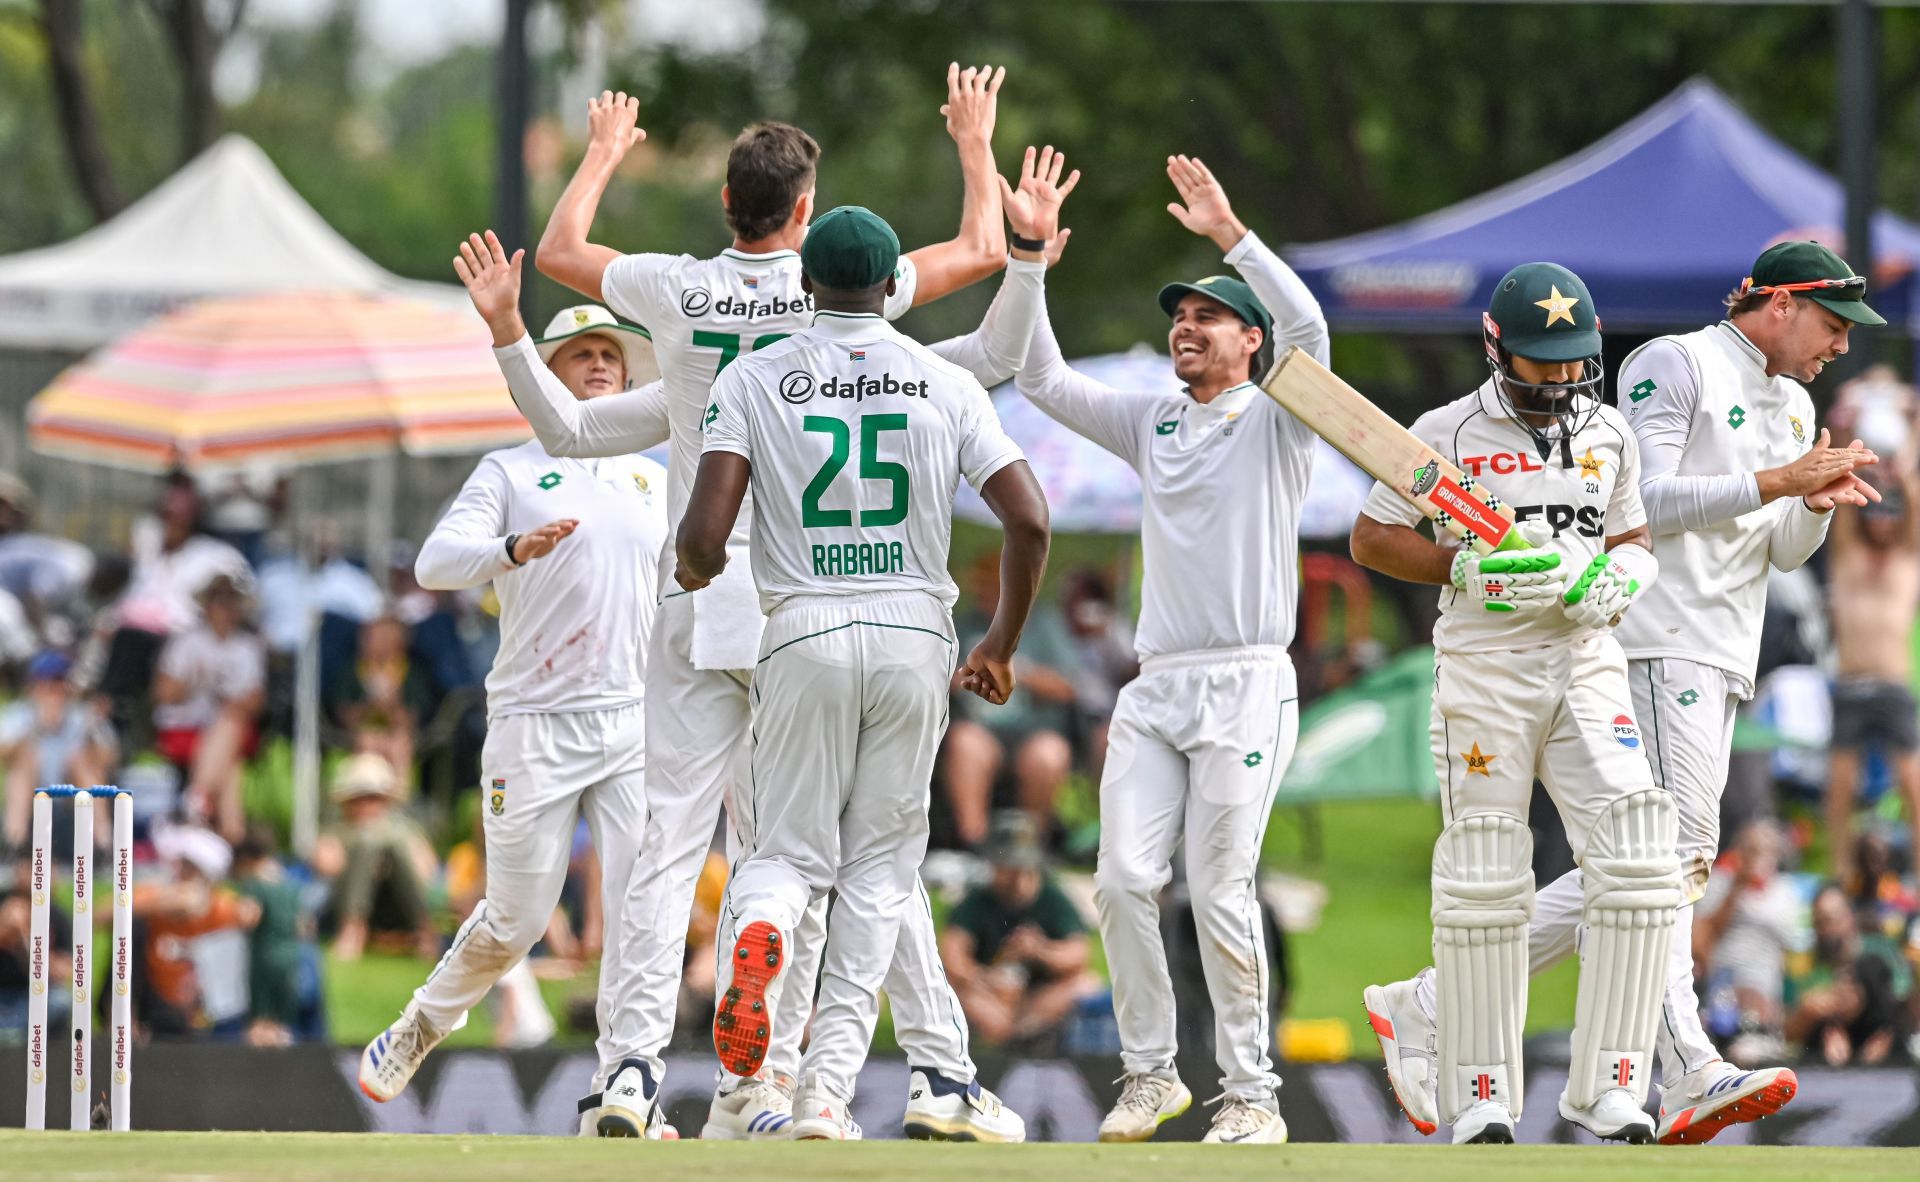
(1692, 1128)
(743, 1023)
(1376, 1004)
(618, 1122)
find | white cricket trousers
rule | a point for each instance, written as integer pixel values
(698, 730)
(1197, 747)
(849, 705)
(540, 774)
(1686, 712)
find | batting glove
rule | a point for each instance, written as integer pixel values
(1511, 580)
(1610, 584)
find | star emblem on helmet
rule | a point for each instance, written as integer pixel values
(1559, 307)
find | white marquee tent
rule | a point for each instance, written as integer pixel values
(226, 224)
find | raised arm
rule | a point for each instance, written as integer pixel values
(565, 254)
(980, 247)
(994, 352)
(1297, 318)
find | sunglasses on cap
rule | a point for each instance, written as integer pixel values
(1853, 283)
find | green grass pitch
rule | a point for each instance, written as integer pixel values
(164, 1157)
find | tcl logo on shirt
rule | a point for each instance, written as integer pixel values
(1503, 463)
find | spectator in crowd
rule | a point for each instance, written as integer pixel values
(172, 562)
(378, 698)
(1016, 948)
(1742, 930)
(241, 507)
(16, 916)
(379, 862)
(1874, 594)
(190, 924)
(1105, 660)
(18, 639)
(48, 575)
(207, 694)
(277, 948)
(1030, 730)
(49, 737)
(1848, 1008)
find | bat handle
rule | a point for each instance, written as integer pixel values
(1514, 540)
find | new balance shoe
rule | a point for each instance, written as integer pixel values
(1613, 1116)
(1410, 1044)
(1241, 1121)
(391, 1059)
(743, 1020)
(628, 1103)
(1719, 1095)
(822, 1114)
(755, 1110)
(1146, 1102)
(942, 1109)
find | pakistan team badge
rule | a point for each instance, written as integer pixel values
(550, 481)
(1590, 465)
(1736, 416)
(1799, 429)
(1688, 697)
(497, 799)
(1477, 762)
(1253, 759)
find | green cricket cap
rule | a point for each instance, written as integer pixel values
(1544, 312)
(1810, 269)
(1229, 291)
(849, 248)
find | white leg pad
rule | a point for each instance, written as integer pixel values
(1633, 887)
(1482, 901)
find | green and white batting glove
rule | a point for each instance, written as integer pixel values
(1512, 580)
(1610, 584)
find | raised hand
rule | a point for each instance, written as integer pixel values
(493, 283)
(1033, 208)
(1206, 211)
(540, 542)
(612, 121)
(973, 100)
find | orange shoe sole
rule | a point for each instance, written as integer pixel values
(1768, 1100)
(743, 1023)
(1383, 1028)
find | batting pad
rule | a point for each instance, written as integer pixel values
(1632, 883)
(1482, 900)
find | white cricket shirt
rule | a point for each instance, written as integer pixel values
(574, 624)
(857, 437)
(1598, 497)
(1222, 482)
(1708, 417)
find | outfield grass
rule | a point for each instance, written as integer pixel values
(330, 1157)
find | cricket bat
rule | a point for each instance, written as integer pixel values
(1390, 453)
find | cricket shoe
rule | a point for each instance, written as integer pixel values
(821, 1114)
(1485, 1122)
(1146, 1102)
(942, 1109)
(1718, 1095)
(1410, 1043)
(1613, 1116)
(743, 1021)
(391, 1059)
(755, 1110)
(1241, 1121)
(627, 1106)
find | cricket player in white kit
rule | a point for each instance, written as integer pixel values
(1530, 682)
(704, 314)
(568, 545)
(1732, 486)
(854, 439)
(1199, 741)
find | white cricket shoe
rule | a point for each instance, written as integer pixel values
(628, 1106)
(1485, 1122)
(1613, 1116)
(1146, 1102)
(755, 1110)
(821, 1114)
(391, 1059)
(1719, 1095)
(1410, 1043)
(942, 1109)
(1240, 1121)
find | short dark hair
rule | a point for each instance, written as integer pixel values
(769, 167)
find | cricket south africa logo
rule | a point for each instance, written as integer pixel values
(497, 799)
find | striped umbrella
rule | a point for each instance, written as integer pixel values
(284, 379)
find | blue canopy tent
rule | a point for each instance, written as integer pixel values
(1661, 218)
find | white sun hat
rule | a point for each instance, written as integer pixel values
(634, 342)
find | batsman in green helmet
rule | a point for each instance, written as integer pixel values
(1530, 682)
